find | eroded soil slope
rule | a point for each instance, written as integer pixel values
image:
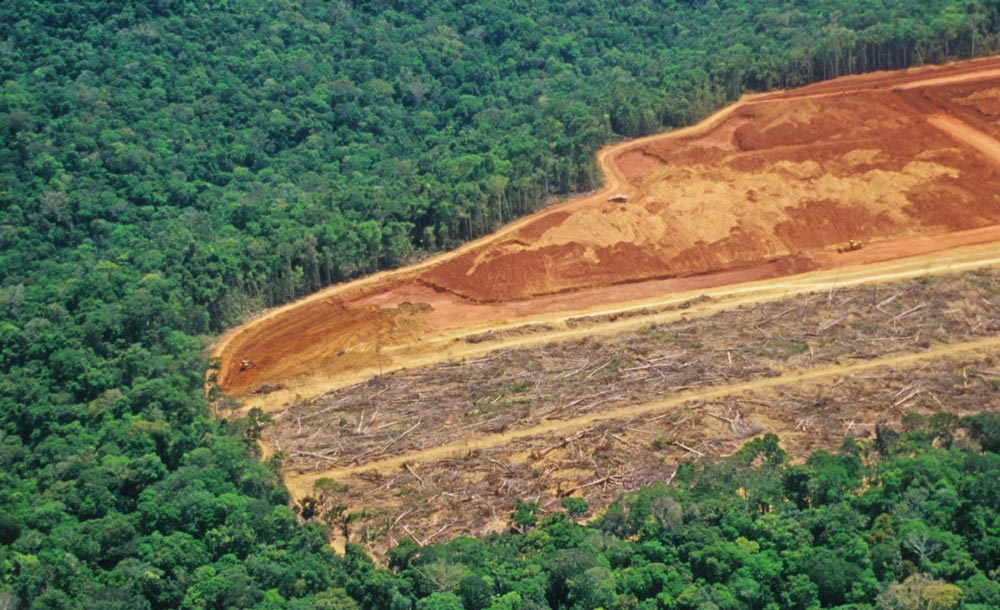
(767, 187)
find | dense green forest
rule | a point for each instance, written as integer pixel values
(167, 167)
(893, 524)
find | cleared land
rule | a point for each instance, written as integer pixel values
(599, 416)
(587, 349)
(765, 188)
(523, 387)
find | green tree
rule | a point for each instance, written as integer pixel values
(525, 515)
(440, 601)
(575, 507)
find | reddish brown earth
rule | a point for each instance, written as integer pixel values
(906, 162)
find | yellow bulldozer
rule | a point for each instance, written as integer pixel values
(850, 246)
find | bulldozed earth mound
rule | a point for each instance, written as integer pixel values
(902, 163)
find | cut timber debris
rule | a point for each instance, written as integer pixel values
(475, 490)
(517, 388)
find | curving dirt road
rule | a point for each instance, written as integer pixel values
(350, 332)
(967, 135)
(924, 199)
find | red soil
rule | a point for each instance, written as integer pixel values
(905, 161)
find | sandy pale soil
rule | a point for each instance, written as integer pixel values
(905, 162)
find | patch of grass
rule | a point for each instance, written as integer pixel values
(661, 442)
(330, 486)
(518, 387)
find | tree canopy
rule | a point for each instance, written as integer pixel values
(167, 167)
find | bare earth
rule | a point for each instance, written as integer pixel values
(765, 188)
(448, 449)
(746, 208)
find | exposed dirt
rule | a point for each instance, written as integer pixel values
(599, 416)
(516, 389)
(763, 189)
(742, 210)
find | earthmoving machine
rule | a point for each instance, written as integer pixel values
(246, 364)
(850, 246)
(619, 198)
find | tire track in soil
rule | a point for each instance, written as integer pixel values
(301, 484)
(967, 135)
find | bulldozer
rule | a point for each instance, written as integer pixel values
(246, 364)
(850, 246)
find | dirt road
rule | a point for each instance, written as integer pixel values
(353, 331)
(303, 482)
(911, 171)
